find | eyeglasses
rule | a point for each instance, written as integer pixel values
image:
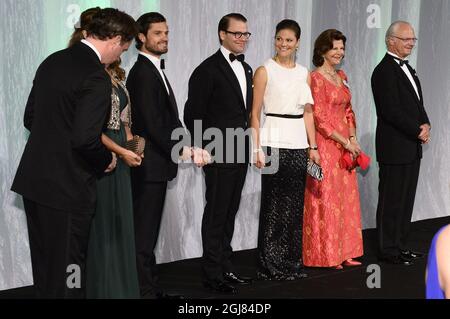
(406, 39)
(239, 35)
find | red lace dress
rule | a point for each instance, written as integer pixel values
(332, 216)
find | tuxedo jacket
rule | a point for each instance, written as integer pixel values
(65, 113)
(154, 116)
(215, 98)
(400, 113)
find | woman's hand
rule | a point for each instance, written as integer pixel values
(260, 159)
(314, 156)
(353, 148)
(130, 158)
(356, 144)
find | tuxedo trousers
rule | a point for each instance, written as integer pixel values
(58, 245)
(148, 204)
(223, 195)
(397, 191)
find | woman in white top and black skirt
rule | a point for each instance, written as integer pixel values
(281, 91)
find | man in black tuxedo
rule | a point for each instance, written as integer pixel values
(220, 96)
(402, 128)
(154, 116)
(65, 114)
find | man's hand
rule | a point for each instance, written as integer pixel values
(113, 163)
(424, 135)
(206, 157)
(187, 153)
(200, 157)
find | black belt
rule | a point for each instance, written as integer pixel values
(285, 116)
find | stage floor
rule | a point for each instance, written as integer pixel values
(396, 282)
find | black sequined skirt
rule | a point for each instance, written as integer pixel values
(281, 217)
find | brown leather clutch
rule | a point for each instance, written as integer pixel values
(136, 145)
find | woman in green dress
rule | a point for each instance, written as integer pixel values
(111, 261)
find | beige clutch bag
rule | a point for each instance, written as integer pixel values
(136, 145)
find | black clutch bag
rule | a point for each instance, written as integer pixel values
(314, 170)
(136, 144)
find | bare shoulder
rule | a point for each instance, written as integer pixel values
(261, 70)
(444, 238)
(260, 74)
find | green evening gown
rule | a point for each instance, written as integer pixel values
(111, 260)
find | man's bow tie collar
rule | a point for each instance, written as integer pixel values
(239, 57)
(402, 62)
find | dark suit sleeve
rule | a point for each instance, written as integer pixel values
(387, 100)
(423, 116)
(92, 108)
(28, 115)
(199, 95)
(146, 100)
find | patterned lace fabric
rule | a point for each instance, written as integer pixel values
(332, 216)
(280, 228)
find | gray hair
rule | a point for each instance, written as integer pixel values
(393, 28)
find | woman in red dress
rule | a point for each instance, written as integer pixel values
(332, 234)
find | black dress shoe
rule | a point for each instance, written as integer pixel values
(397, 260)
(220, 287)
(163, 295)
(411, 254)
(235, 278)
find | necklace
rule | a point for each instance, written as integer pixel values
(333, 75)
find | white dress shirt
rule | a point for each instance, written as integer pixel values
(157, 63)
(238, 70)
(406, 70)
(89, 44)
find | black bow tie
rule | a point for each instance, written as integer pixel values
(239, 57)
(162, 64)
(402, 62)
